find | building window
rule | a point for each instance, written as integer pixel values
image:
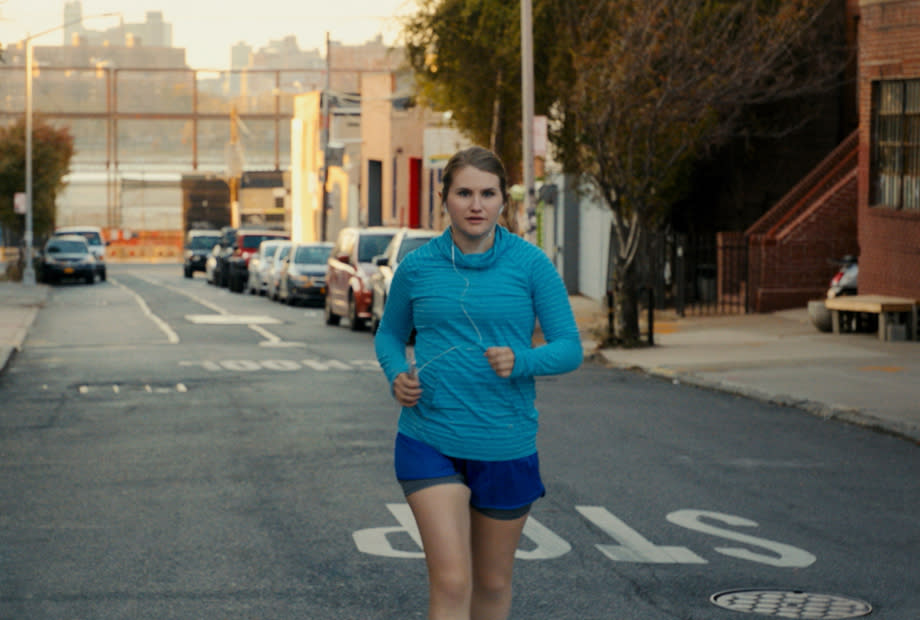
(895, 173)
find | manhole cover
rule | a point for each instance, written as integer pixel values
(791, 604)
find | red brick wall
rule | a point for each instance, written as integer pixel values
(889, 240)
(794, 265)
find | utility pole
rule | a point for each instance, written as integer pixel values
(527, 104)
(28, 272)
(327, 127)
(234, 168)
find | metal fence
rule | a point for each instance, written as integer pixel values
(695, 274)
(169, 119)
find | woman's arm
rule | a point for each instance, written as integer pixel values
(562, 351)
(395, 326)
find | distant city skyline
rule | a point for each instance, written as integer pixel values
(208, 34)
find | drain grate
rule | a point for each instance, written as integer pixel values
(791, 604)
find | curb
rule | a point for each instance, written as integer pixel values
(824, 411)
(15, 344)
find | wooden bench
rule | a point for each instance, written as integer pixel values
(885, 307)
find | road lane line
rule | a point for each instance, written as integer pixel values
(270, 338)
(193, 297)
(171, 336)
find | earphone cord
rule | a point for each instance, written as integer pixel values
(466, 288)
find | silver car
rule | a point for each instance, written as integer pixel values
(303, 276)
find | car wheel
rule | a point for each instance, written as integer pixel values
(355, 323)
(188, 273)
(102, 276)
(90, 279)
(331, 317)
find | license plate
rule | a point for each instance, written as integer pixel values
(322, 290)
(68, 269)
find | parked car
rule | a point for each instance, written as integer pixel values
(303, 275)
(198, 245)
(402, 243)
(221, 253)
(95, 240)
(244, 247)
(260, 266)
(66, 257)
(348, 272)
(210, 264)
(274, 274)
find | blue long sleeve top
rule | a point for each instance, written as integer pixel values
(460, 305)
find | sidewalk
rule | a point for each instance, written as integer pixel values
(779, 358)
(19, 306)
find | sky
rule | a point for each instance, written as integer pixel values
(207, 30)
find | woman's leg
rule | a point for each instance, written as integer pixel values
(442, 513)
(494, 544)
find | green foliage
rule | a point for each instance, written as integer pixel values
(52, 149)
(466, 57)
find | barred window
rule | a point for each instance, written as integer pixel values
(895, 172)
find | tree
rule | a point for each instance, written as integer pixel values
(466, 55)
(648, 86)
(52, 149)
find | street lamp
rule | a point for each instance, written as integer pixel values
(28, 274)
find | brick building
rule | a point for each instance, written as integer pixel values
(889, 150)
(864, 197)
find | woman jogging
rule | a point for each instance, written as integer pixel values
(465, 452)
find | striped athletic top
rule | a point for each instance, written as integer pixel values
(460, 305)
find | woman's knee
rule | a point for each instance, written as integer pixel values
(492, 585)
(453, 587)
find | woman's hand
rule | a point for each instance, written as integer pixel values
(501, 359)
(406, 389)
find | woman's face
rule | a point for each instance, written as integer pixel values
(474, 202)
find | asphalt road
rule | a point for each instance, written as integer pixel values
(173, 450)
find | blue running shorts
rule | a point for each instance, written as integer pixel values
(499, 489)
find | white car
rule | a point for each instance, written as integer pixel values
(406, 240)
(277, 269)
(260, 266)
(95, 240)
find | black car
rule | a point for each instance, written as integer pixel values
(198, 244)
(67, 257)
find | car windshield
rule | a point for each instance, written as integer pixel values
(409, 244)
(269, 250)
(372, 245)
(66, 247)
(92, 237)
(203, 242)
(312, 255)
(251, 242)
